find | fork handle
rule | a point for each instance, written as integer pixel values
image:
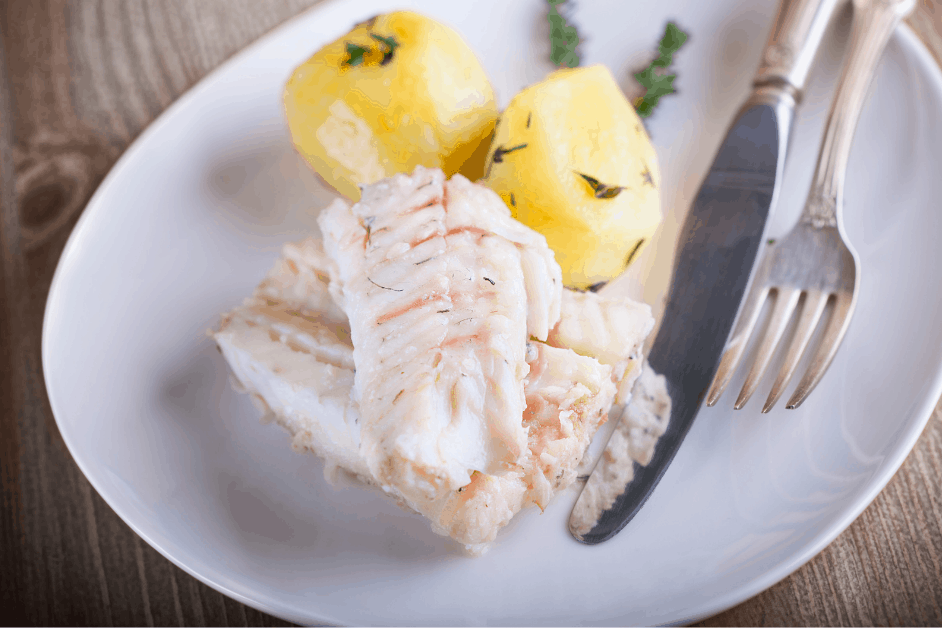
(874, 22)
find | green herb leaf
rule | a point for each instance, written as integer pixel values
(634, 251)
(564, 37)
(500, 151)
(354, 54)
(600, 189)
(673, 39)
(390, 45)
(498, 157)
(654, 79)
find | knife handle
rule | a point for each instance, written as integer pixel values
(793, 43)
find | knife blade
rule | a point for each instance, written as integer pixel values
(719, 243)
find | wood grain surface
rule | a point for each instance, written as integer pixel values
(79, 80)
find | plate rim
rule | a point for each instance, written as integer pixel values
(752, 587)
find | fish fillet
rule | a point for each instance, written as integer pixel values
(291, 346)
(442, 289)
(296, 362)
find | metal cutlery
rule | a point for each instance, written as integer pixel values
(718, 246)
(815, 259)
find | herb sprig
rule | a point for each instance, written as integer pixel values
(498, 156)
(389, 46)
(356, 52)
(601, 190)
(655, 79)
(564, 37)
(500, 151)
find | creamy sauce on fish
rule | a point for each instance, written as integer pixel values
(642, 423)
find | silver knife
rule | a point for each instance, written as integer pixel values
(718, 246)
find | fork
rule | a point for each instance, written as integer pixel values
(815, 258)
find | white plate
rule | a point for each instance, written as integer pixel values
(195, 211)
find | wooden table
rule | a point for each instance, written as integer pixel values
(79, 80)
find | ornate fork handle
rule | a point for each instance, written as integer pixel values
(874, 22)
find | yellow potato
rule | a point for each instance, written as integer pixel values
(572, 160)
(398, 91)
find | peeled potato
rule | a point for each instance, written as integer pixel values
(398, 91)
(572, 160)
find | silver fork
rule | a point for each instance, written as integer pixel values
(815, 259)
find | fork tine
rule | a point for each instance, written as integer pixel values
(737, 343)
(811, 311)
(837, 327)
(785, 301)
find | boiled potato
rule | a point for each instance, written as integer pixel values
(398, 91)
(572, 160)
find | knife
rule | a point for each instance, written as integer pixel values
(718, 245)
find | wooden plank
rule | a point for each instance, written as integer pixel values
(86, 78)
(79, 80)
(12, 593)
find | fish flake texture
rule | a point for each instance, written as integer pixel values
(442, 288)
(292, 347)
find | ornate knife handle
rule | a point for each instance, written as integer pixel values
(874, 22)
(793, 42)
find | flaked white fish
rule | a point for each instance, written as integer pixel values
(442, 288)
(291, 346)
(610, 329)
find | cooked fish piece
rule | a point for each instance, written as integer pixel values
(289, 346)
(610, 329)
(568, 397)
(442, 289)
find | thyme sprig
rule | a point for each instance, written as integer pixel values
(655, 79)
(634, 251)
(564, 37)
(500, 151)
(600, 189)
(356, 52)
(498, 156)
(389, 47)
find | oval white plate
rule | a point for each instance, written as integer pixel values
(195, 211)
